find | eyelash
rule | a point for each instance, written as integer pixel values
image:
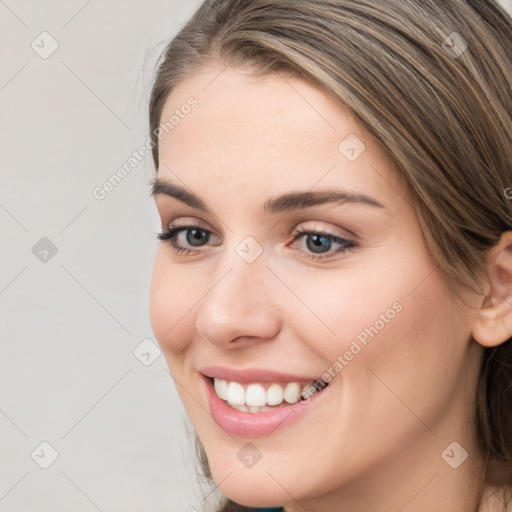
(170, 234)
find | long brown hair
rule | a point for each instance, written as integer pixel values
(431, 80)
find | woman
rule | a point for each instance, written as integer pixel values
(333, 286)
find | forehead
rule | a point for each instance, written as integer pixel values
(275, 131)
(272, 110)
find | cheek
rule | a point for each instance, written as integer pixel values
(173, 297)
(393, 329)
(387, 293)
(411, 363)
(423, 354)
(348, 305)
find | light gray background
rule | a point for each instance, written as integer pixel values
(69, 325)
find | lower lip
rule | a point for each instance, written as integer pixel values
(247, 424)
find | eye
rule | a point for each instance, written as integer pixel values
(316, 245)
(319, 245)
(183, 239)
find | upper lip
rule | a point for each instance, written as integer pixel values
(247, 375)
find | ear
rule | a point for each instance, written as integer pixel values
(492, 324)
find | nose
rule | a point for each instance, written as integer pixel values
(239, 304)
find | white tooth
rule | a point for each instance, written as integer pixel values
(291, 392)
(242, 408)
(305, 393)
(255, 395)
(223, 387)
(265, 408)
(274, 394)
(253, 408)
(235, 394)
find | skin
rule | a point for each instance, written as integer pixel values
(374, 440)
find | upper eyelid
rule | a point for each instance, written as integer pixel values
(327, 231)
(319, 231)
(188, 224)
(296, 234)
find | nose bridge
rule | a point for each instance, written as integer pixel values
(238, 303)
(240, 270)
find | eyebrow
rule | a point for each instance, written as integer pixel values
(284, 203)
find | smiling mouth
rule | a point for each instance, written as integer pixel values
(262, 397)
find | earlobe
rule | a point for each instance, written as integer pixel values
(492, 325)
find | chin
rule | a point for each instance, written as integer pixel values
(255, 492)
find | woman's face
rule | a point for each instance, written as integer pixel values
(302, 259)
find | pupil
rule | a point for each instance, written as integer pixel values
(318, 243)
(196, 237)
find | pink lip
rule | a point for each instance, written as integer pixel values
(247, 424)
(246, 375)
